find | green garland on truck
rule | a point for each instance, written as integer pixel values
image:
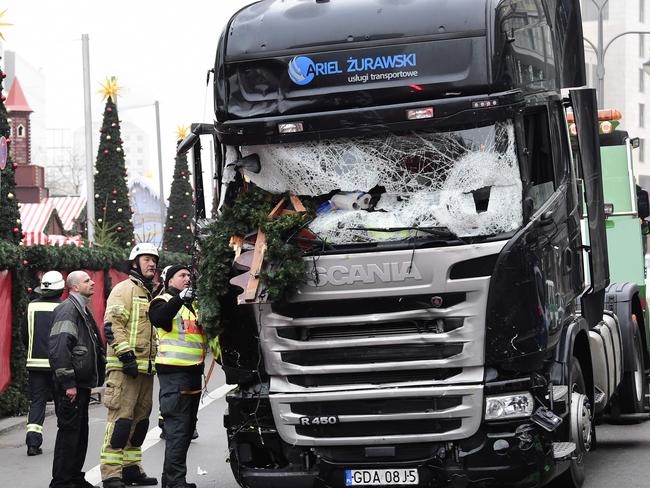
(284, 268)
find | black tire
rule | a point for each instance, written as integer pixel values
(633, 388)
(574, 477)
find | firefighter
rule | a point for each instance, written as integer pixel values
(41, 384)
(76, 353)
(132, 344)
(179, 364)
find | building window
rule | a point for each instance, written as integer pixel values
(21, 131)
(641, 150)
(642, 115)
(641, 80)
(590, 11)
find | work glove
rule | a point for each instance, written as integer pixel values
(129, 364)
(187, 295)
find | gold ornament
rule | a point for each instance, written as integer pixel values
(3, 23)
(181, 132)
(10, 196)
(110, 89)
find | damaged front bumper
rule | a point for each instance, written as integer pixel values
(508, 454)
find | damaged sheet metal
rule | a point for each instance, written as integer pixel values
(467, 181)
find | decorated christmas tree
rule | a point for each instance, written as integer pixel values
(112, 207)
(10, 228)
(178, 230)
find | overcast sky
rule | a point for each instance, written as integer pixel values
(158, 50)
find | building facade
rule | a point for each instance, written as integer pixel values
(627, 86)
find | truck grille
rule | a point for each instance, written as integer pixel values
(398, 361)
(378, 416)
(374, 377)
(364, 355)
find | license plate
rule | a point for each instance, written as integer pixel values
(381, 477)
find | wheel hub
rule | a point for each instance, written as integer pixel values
(581, 422)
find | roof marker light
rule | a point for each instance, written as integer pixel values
(606, 127)
(290, 127)
(419, 113)
(485, 104)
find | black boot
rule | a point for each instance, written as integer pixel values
(34, 451)
(113, 483)
(132, 476)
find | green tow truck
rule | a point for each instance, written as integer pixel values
(626, 208)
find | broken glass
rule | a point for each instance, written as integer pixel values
(467, 181)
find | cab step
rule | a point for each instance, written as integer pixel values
(563, 450)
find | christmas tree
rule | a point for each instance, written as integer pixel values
(10, 228)
(178, 231)
(112, 207)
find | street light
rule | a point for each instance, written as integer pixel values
(601, 50)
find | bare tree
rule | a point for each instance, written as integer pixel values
(66, 176)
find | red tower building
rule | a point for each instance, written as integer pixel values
(30, 178)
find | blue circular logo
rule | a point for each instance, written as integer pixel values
(301, 70)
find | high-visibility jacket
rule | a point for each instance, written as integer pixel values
(39, 322)
(185, 344)
(127, 326)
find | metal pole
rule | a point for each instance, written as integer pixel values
(600, 56)
(160, 168)
(90, 167)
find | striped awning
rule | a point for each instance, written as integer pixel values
(68, 208)
(56, 240)
(35, 216)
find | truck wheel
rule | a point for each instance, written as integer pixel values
(580, 430)
(633, 386)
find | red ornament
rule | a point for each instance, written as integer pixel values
(15, 230)
(29, 289)
(114, 192)
(119, 229)
(187, 247)
(182, 173)
(25, 262)
(14, 165)
(4, 75)
(170, 228)
(101, 130)
(184, 216)
(104, 209)
(3, 98)
(105, 151)
(8, 140)
(109, 109)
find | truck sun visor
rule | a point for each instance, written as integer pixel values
(467, 181)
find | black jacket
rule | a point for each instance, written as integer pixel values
(76, 351)
(36, 331)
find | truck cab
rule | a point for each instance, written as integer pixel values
(451, 328)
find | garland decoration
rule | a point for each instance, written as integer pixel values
(284, 269)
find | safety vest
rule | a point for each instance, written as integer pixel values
(39, 321)
(185, 344)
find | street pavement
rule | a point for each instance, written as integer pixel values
(621, 459)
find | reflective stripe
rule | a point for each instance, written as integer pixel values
(35, 428)
(110, 458)
(112, 362)
(137, 302)
(32, 308)
(174, 343)
(133, 456)
(121, 347)
(38, 363)
(64, 327)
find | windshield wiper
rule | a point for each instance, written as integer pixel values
(435, 231)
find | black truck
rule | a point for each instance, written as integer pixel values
(457, 325)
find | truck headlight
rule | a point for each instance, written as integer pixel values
(511, 406)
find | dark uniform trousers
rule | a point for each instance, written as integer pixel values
(41, 390)
(179, 410)
(71, 438)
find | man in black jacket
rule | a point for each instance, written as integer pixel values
(77, 357)
(36, 336)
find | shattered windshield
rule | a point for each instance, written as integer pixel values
(380, 188)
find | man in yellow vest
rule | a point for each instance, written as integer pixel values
(41, 384)
(179, 364)
(132, 344)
